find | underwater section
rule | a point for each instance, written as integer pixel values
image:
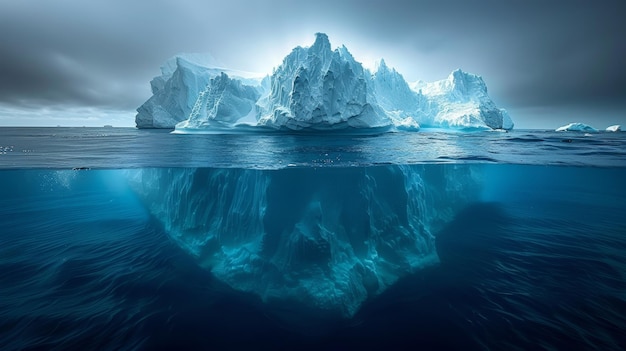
(326, 239)
(529, 257)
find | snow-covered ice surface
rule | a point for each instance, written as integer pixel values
(315, 88)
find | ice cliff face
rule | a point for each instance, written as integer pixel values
(317, 89)
(460, 101)
(396, 98)
(177, 90)
(174, 93)
(324, 239)
(223, 102)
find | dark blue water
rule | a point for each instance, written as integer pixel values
(62, 148)
(537, 260)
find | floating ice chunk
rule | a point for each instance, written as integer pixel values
(408, 124)
(576, 127)
(614, 128)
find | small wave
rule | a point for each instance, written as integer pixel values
(526, 139)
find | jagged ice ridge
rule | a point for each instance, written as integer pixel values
(314, 89)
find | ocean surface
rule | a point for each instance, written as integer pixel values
(534, 258)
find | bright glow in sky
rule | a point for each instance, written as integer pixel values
(78, 63)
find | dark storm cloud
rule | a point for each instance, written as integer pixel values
(530, 52)
(103, 53)
(52, 53)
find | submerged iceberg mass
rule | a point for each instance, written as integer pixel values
(576, 127)
(322, 240)
(315, 88)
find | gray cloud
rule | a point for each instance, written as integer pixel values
(104, 53)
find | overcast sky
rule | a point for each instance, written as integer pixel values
(77, 62)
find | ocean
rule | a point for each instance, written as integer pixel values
(108, 240)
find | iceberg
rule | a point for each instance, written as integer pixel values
(614, 128)
(576, 127)
(322, 240)
(315, 88)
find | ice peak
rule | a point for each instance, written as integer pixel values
(382, 65)
(319, 89)
(385, 72)
(458, 74)
(343, 51)
(467, 83)
(321, 42)
(189, 59)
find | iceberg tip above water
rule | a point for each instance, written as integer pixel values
(315, 89)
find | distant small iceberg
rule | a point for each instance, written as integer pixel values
(576, 127)
(614, 128)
